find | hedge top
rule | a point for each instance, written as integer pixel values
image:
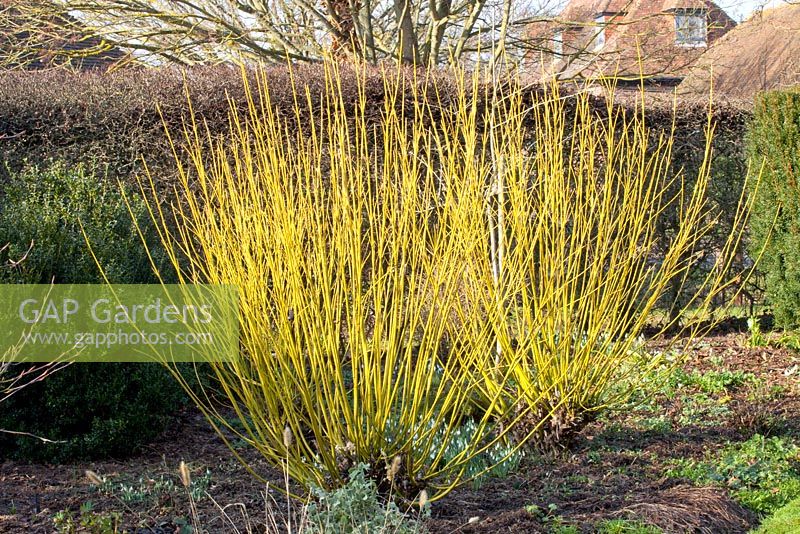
(115, 119)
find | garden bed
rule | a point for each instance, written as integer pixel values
(713, 446)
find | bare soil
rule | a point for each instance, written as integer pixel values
(613, 469)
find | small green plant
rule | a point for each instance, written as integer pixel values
(540, 512)
(700, 409)
(712, 382)
(761, 473)
(756, 337)
(499, 460)
(626, 526)
(87, 520)
(146, 489)
(790, 340)
(698, 398)
(548, 517)
(659, 424)
(357, 508)
(563, 528)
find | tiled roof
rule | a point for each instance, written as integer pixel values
(761, 53)
(639, 37)
(674, 5)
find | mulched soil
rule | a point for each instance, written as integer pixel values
(610, 470)
(36, 492)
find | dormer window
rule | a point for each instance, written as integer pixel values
(691, 27)
(599, 33)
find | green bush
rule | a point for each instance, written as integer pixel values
(94, 409)
(41, 215)
(774, 139)
(626, 526)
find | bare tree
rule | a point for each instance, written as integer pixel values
(430, 32)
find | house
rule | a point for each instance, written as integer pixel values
(761, 53)
(658, 40)
(30, 42)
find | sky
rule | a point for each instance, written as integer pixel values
(742, 9)
(738, 10)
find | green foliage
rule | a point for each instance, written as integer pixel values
(626, 526)
(564, 529)
(96, 409)
(647, 383)
(790, 340)
(356, 508)
(43, 214)
(774, 139)
(785, 520)
(152, 489)
(756, 337)
(702, 410)
(701, 398)
(550, 519)
(762, 473)
(498, 460)
(711, 382)
(66, 522)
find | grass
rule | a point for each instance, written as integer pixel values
(785, 520)
(626, 526)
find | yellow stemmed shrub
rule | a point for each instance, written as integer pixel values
(574, 217)
(448, 262)
(342, 237)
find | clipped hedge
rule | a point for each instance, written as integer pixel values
(90, 410)
(729, 169)
(113, 120)
(774, 139)
(42, 213)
